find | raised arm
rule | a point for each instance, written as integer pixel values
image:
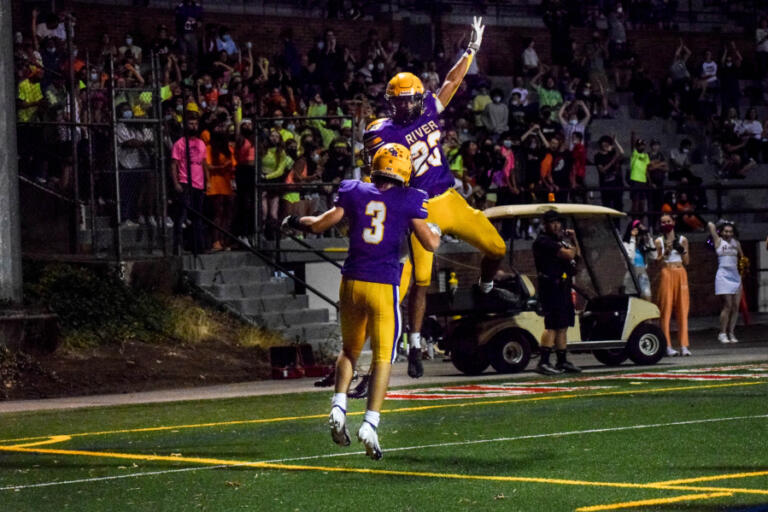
(455, 76)
(713, 234)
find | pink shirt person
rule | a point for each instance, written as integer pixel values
(196, 158)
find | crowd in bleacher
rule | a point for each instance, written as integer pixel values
(523, 142)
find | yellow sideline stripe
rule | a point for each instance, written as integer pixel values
(402, 409)
(713, 477)
(51, 440)
(424, 474)
(660, 501)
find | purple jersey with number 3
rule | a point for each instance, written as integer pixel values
(378, 224)
(431, 172)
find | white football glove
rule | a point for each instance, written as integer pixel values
(435, 228)
(477, 34)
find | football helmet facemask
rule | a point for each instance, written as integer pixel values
(392, 161)
(405, 97)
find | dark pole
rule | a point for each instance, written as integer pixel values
(75, 118)
(118, 235)
(91, 132)
(10, 235)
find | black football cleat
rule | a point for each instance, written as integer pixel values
(415, 366)
(361, 390)
(328, 380)
(547, 369)
(568, 367)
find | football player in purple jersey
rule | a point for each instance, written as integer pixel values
(414, 123)
(381, 214)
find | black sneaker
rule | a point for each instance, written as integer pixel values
(568, 367)
(415, 367)
(328, 380)
(361, 390)
(547, 369)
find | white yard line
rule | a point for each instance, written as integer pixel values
(389, 450)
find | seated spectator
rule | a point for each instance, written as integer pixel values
(688, 220)
(680, 164)
(708, 74)
(751, 129)
(521, 90)
(734, 167)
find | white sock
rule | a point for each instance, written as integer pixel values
(486, 287)
(414, 339)
(372, 417)
(339, 399)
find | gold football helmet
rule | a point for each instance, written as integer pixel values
(392, 161)
(405, 96)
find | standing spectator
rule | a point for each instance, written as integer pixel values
(730, 73)
(570, 122)
(639, 246)
(596, 57)
(555, 253)
(638, 175)
(751, 129)
(547, 92)
(189, 15)
(108, 49)
(245, 174)
(708, 74)
(188, 175)
(657, 172)
(530, 58)
(579, 159)
(53, 27)
(556, 169)
(678, 71)
(496, 118)
(673, 294)
(557, 21)
(275, 164)
(221, 172)
(509, 193)
(608, 161)
(617, 33)
(761, 48)
(521, 90)
(727, 279)
(129, 46)
(133, 160)
(225, 43)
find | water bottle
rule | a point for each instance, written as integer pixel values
(453, 284)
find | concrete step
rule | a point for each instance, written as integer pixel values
(220, 260)
(228, 292)
(255, 306)
(239, 275)
(319, 332)
(284, 319)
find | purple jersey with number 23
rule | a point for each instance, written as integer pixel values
(431, 172)
(378, 224)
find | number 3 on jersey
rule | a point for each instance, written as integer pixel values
(378, 213)
(426, 154)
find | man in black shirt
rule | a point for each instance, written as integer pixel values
(608, 162)
(555, 252)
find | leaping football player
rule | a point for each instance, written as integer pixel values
(381, 214)
(414, 123)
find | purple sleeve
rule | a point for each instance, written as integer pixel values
(430, 103)
(343, 197)
(418, 199)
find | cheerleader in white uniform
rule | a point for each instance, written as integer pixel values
(727, 279)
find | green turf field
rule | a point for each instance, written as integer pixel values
(676, 439)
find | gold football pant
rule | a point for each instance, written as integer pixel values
(372, 310)
(451, 212)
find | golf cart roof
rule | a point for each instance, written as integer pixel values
(537, 210)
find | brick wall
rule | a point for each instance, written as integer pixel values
(501, 48)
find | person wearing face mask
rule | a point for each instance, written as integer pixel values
(727, 278)
(496, 114)
(132, 47)
(570, 122)
(132, 155)
(673, 294)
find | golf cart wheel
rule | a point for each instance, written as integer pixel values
(646, 344)
(470, 360)
(611, 356)
(509, 352)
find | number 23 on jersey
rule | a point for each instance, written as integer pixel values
(426, 154)
(378, 213)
